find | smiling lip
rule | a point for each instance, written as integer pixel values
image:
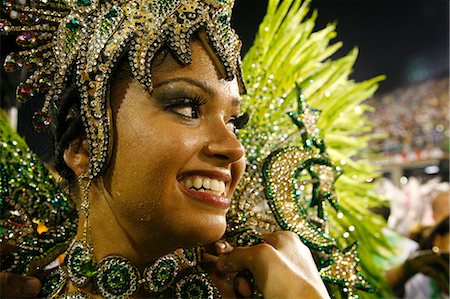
(215, 200)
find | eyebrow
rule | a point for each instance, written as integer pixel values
(235, 101)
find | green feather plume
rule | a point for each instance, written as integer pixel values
(287, 51)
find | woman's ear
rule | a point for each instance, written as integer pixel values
(76, 156)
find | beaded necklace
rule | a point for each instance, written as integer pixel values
(177, 274)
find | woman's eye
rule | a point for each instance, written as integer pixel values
(186, 111)
(186, 107)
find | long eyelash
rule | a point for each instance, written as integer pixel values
(241, 121)
(195, 102)
(198, 101)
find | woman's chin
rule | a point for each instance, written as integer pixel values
(205, 235)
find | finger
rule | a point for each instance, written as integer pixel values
(223, 247)
(242, 286)
(281, 239)
(207, 257)
(209, 248)
(13, 285)
(243, 258)
(289, 245)
(210, 266)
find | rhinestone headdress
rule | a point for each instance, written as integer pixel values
(86, 38)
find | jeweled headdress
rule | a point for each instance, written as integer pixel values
(86, 38)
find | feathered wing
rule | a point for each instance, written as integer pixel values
(287, 70)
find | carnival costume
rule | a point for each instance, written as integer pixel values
(289, 182)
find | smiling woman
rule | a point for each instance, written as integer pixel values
(151, 141)
(182, 132)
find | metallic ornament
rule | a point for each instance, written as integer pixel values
(196, 285)
(27, 39)
(280, 172)
(80, 263)
(343, 269)
(12, 62)
(245, 236)
(117, 277)
(160, 275)
(288, 188)
(53, 283)
(41, 121)
(191, 256)
(84, 39)
(75, 295)
(24, 92)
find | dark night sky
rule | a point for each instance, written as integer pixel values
(406, 40)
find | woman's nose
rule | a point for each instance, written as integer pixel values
(222, 144)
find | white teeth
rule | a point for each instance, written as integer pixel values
(198, 182)
(188, 183)
(215, 185)
(204, 184)
(207, 183)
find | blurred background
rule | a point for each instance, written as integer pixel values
(408, 41)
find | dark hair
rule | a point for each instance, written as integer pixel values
(68, 126)
(69, 122)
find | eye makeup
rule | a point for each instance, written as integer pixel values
(181, 106)
(184, 101)
(184, 98)
(178, 93)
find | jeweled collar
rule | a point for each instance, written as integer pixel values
(177, 274)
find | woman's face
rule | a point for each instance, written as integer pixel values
(176, 159)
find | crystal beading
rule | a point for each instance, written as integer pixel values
(86, 38)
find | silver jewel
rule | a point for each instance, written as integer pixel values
(117, 277)
(160, 275)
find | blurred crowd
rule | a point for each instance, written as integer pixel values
(419, 212)
(412, 118)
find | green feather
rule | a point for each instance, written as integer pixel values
(287, 51)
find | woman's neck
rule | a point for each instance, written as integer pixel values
(108, 236)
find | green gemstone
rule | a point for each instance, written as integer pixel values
(111, 14)
(162, 274)
(51, 283)
(189, 254)
(116, 279)
(88, 269)
(194, 291)
(83, 2)
(223, 18)
(73, 25)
